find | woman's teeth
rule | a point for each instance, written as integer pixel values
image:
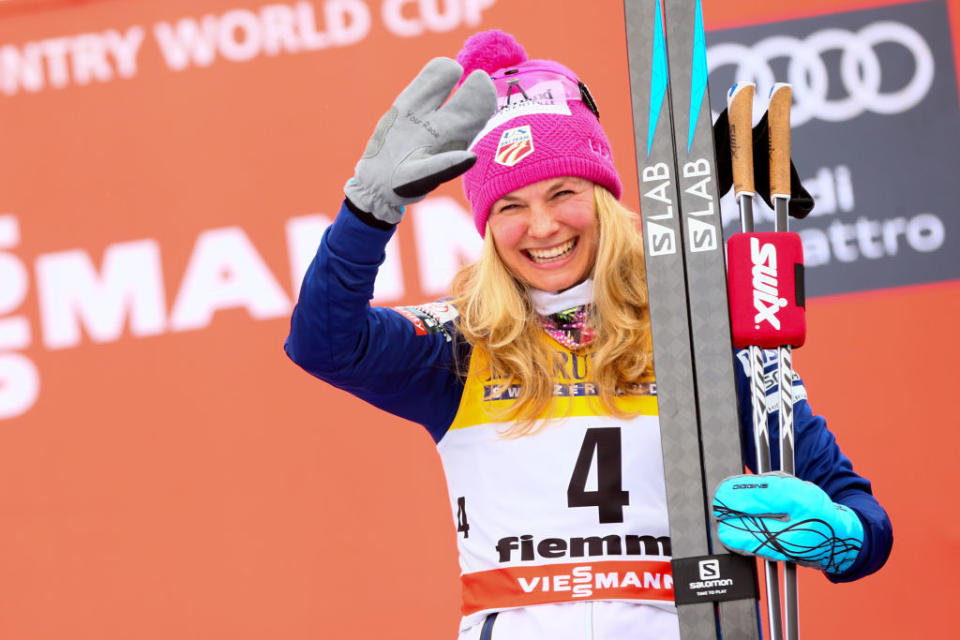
(541, 256)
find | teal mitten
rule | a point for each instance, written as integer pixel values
(783, 518)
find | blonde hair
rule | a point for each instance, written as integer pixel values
(497, 318)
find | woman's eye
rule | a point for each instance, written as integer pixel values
(564, 192)
(506, 207)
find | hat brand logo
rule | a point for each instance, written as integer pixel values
(515, 145)
(599, 148)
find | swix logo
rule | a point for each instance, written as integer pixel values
(766, 299)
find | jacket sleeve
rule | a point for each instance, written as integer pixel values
(818, 460)
(375, 353)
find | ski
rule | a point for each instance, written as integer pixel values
(693, 358)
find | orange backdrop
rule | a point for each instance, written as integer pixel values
(165, 472)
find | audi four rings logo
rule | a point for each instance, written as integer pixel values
(860, 70)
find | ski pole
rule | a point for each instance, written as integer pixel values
(778, 114)
(740, 112)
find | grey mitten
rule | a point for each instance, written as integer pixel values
(420, 144)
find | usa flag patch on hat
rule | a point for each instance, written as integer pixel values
(515, 145)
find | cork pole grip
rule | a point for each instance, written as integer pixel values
(740, 112)
(781, 96)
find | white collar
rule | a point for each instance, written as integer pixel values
(547, 302)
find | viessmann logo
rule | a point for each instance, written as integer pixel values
(861, 69)
(583, 581)
(637, 580)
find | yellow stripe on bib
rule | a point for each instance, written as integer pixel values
(575, 394)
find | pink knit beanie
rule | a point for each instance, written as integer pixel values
(545, 126)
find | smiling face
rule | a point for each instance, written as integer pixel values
(547, 232)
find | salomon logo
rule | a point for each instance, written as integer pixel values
(710, 576)
(766, 299)
(701, 220)
(709, 569)
(661, 239)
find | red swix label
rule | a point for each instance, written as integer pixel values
(765, 287)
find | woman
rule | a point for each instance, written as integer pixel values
(536, 379)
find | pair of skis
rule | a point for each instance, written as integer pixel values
(716, 592)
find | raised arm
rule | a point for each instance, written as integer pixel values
(373, 353)
(382, 355)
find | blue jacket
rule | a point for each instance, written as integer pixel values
(377, 355)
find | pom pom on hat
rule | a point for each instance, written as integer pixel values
(490, 51)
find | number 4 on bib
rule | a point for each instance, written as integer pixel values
(462, 525)
(609, 497)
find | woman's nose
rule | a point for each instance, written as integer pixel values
(542, 222)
